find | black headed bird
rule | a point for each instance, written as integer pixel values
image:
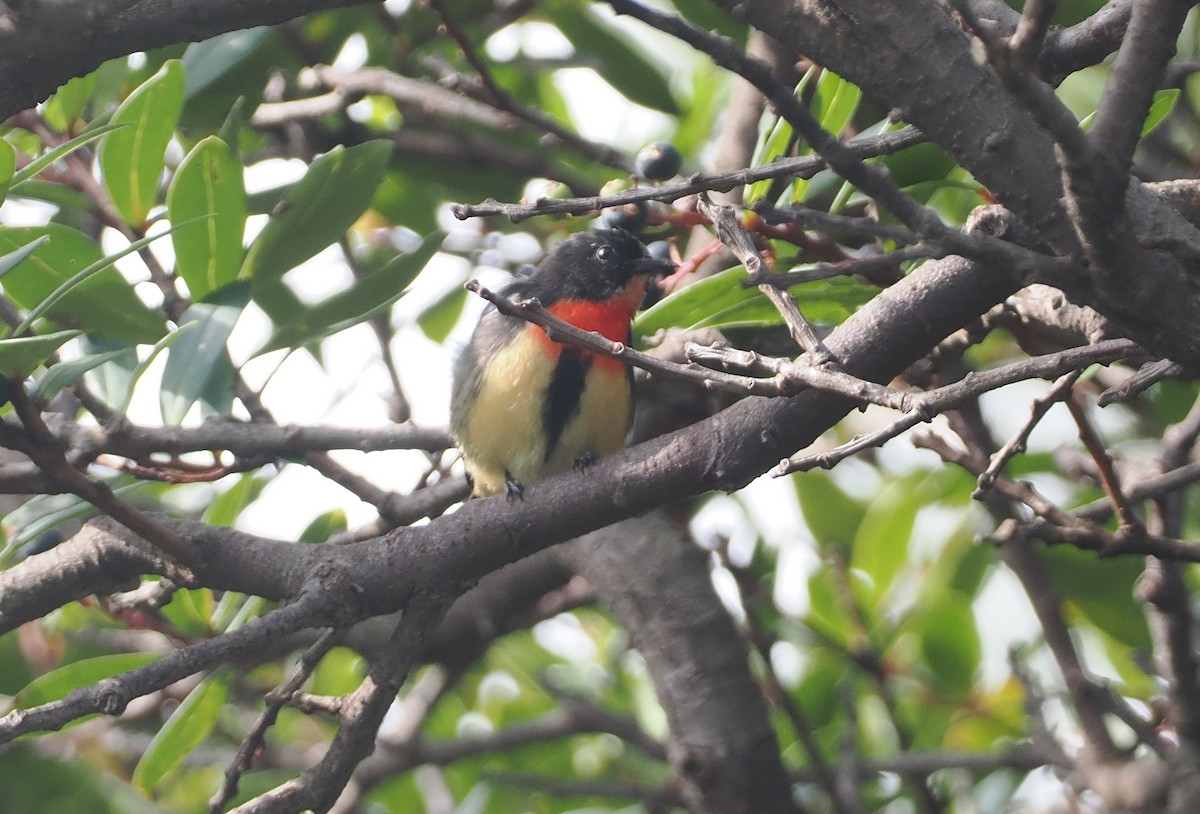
(525, 407)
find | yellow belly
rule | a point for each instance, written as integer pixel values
(504, 430)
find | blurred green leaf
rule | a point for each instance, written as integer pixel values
(324, 526)
(22, 176)
(340, 672)
(225, 509)
(131, 159)
(834, 106)
(20, 357)
(618, 60)
(693, 303)
(79, 279)
(721, 301)
(836, 103)
(111, 382)
(190, 611)
(831, 515)
(1102, 590)
(827, 611)
(775, 142)
(15, 258)
(188, 726)
(949, 641)
(316, 211)
(1162, 105)
(880, 547)
(58, 683)
(66, 373)
(8, 164)
(103, 303)
(368, 296)
(64, 107)
(208, 183)
(193, 359)
(439, 319)
(205, 63)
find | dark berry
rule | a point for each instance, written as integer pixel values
(631, 217)
(659, 161)
(660, 249)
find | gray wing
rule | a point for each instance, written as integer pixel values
(495, 330)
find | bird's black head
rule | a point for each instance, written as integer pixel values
(593, 266)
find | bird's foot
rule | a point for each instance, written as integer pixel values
(514, 490)
(585, 461)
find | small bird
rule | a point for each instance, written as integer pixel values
(525, 407)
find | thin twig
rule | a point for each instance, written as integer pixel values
(38, 444)
(741, 243)
(502, 100)
(1109, 478)
(922, 406)
(1015, 445)
(276, 700)
(804, 166)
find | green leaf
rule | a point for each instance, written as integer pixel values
(316, 211)
(131, 160)
(439, 319)
(208, 182)
(8, 164)
(324, 526)
(774, 143)
(66, 373)
(105, 303)
(111, 382)
(207, 62)
(831, 515)
(66, 148)
(837, 100)
(366, 297)
(188, 726)
(193, 359)
(616, 59)
(190, 611)
(225, 509)
(20, 357)
(1102, 590)
(339, 673)
(834, 106)
(721, 301)
(15, 258)
(57, 684)
(949, 641)
(143, 365)
(880, 547)
(1160, 107)
(63, 108)
(693, 303)
(77, 281)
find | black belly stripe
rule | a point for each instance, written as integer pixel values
(564, 394)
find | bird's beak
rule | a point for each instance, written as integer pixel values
(652, 267)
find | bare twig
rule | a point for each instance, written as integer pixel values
(739, 240)
(38, 444)
(319, 603)
(276, 700)
(1037, 410)
(921, 406)
(804, 166)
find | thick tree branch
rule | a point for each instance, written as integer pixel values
(44, 44)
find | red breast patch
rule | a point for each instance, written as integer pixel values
(609, 318)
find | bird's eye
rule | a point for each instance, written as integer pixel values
(605, 253)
